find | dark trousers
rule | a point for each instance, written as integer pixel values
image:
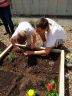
(5, 15)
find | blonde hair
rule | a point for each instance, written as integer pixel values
(21, 37)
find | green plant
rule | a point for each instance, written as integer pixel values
(10, 57)
(52, 89)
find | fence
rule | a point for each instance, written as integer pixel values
(42, 7)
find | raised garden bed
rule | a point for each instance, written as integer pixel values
(37, 71)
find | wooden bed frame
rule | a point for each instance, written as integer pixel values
(61, 71)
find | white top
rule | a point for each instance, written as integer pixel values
(24, 26)
(56, 35)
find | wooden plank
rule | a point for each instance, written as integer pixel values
(61, 78)
(35, 7)
(19, 6)
(27, 7)
(52, 6)
(13, 8)
(61, 7)
(69, 7)
(42, 8)
(5, 51)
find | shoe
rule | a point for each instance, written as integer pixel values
(67, 75)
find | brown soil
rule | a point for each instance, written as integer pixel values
(36, 70)
(7, 82)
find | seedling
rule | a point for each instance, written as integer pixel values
(10, 57)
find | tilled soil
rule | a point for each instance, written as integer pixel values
(7, 82)
(36, 70)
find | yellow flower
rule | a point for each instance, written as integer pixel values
(69, 55)
(31, 92)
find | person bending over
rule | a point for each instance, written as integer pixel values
(51, 33)
(24, 34)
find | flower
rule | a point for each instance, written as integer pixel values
(50, 86)
(31, 92)
(51, 89)
(68, 55)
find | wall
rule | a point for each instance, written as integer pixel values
(42, 7)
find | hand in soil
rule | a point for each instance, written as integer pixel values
(16, 48)
(28, 53)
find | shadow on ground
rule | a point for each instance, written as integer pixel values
(2, 46)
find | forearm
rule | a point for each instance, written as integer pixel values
(38, 52)
(13, 41)
(44, 52)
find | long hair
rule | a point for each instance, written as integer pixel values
(21, 37)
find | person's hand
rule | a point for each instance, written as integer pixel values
(17, 48)
(27, 53)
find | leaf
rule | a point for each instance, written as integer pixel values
(10, 57)
(52, 81)
(57, 94)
